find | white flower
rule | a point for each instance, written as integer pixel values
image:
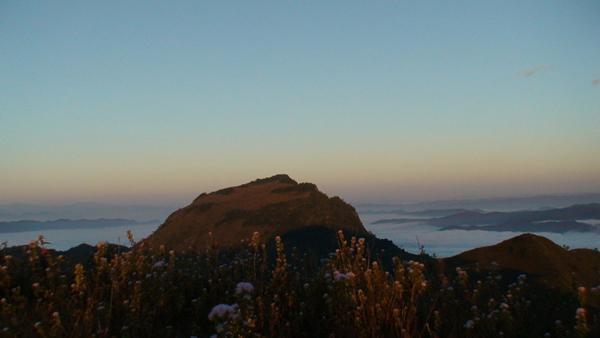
(244, 287)
(469, 324)
(160, 264)
(222, 311)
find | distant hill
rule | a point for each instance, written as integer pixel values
(491, 204)
(539, 257)
(559, 220)
(38, 212)
(29, 225)
(78, 254)
(542, 226)
(552, 220)
(427, 213)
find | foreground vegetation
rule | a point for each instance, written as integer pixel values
(152, 292)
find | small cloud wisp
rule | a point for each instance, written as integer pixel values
(529, 72)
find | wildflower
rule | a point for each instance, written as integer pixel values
(504, 306)
(159, 264)
(222, 311)
(339, 276)
(469, 324)
(244, 287)
(581, 322)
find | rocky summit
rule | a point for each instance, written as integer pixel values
(273, 206)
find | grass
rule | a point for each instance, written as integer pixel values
(153, 292)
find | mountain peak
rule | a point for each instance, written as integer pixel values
(280, 178)
(272, 206)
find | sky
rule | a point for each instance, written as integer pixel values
(376, 101)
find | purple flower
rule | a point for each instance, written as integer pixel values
(222, 311)
(244, 287)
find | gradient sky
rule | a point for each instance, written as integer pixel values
(147, 101)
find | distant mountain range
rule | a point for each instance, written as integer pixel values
(29, 225)
(540, 202)
(427, 213)
(35, 212)
(560, 220)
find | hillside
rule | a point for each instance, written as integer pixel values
(272, 206)
(538, 257)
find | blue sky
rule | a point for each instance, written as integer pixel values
(375, 101)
